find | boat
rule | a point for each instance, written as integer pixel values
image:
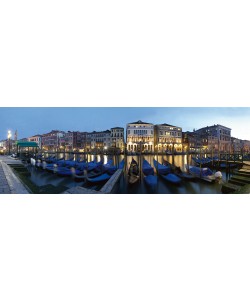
(171, 178)
(151, 180)
(166, 173)
(148, 171)
(121, 164)
(66, 172)
(109, 167)
(161, 169)
(146, 168)
(133, 172)
(202, 173)
(177, 171)
(228, 165)
(93, 165)
(204, 161)
(168, 152)
(53, 166)
(98, 179)
(85, 174)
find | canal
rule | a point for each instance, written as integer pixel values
(42, 177)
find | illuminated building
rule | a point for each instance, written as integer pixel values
(117, 138)
(168, 138)
(140, 137)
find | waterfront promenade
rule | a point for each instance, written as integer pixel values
(9, 183)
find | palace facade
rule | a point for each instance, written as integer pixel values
(140, 137)
(168, 138)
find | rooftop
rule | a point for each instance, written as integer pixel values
(140, 122)
(214, 126)
(164, 124)
(97, 132)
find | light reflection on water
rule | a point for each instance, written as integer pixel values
(41, 177)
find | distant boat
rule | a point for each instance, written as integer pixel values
(204, 161)
(228, 165)
(202, 173)
(133, 172)
(149, 178)
(168, 152)
(215, 158)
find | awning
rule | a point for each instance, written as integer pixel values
(27, 144)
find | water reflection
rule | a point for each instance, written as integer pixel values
(41, 177)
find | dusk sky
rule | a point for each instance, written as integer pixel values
(31, 121)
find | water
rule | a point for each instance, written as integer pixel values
(41, 177)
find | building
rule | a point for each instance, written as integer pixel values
(216, 137)
(236, 145)
(84, 141)
(246, 146)
(6, 145)
(192, 141)
(36, 138)
(117, 138)
(50, 141)
(71, 141)
(98, 140)
(2, 146)
(140, 137)
(168, 138)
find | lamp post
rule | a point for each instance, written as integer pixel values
(9, 136)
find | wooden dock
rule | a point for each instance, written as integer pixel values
(108, 188)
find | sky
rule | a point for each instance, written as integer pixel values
(29, 121)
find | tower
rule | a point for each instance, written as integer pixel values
(16, 135)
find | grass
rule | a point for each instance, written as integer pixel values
(24, 175)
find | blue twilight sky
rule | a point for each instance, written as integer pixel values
(30, 121)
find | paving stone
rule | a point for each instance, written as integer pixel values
(4, 187)
(10, 184)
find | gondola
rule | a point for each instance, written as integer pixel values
(177, 171)
(146, 168)
(67, 172)
(91, 174)
(151, 180)
(121, 164)
(109, 167)
(148, 171)
(205, 174)
(99, 179)
(133, 172)
(204, 162)
(93, 165)
(161, 169)
(165, 173)
(171, 178)
(228, 165)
